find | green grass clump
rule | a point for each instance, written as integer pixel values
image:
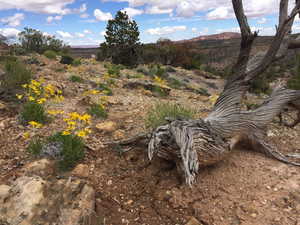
(35, 146)
(174, 83)
(16, 74)
(75, 78)
(50, 54)
(76, 62)
(72, 149)
(98, 111)
(106, 89)
(159, 92)
(33, 111)
(203, 91)
(158, 113)
(114, 70)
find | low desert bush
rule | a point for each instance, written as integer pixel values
(98, 111)
(16, 74)
(76, 62)
(32, 111)
(159, 112)
(50, 54)
(66, 59)
(75, 78)
(72, 149)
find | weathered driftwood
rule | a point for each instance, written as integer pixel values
(195, 143)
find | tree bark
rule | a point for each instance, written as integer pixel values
(192, 144)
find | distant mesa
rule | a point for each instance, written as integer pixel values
(221, 36)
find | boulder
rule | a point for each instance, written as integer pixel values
(107, 127)
(36, 199)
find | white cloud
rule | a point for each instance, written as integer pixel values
(157, 10)
(102, 16)
(194, 30)
(87, 32)
(9, 32)
(80, 35)
(220, 13)
(188, 8)
(131, 12)
(165, 30)
(14, 20)
(84, 15)
(102, 33)
(64, 34)
(50, 19)
(39, 6)
(262, 20)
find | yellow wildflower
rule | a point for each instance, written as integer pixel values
(55, 112)
(19, 96)
(25, 85)
(26, 135)
(74, 115)
(81, 133)
(94, 92)
(35, 124)
(71, 123)
(65, 132)
(41, 100)
(159, 81)
(85, 117)
(31, 98)
(35, 83)
(213, 99)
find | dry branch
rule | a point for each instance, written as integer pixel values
(195, 143)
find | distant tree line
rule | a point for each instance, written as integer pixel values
(122, 46)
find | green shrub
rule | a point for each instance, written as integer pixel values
(260, 85)
(5, 58)
(35, 146)
(32, 60)
(203, 91)
(50, 54)
(75, 78)
(174, 83)
(98, 111)
(114, 70)
(72, 149)
(76, 62)
(15, 76)
(66, 59)
(159, 112)
(159, 92)
(106, 89)
(33, 111)
(294, 82)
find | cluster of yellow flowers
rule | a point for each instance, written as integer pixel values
(33, 126)
(77, 124)
(91, 92)
(37, 91)
(159, 81)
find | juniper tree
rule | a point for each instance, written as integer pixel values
(121, 40)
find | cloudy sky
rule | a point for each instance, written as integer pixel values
(80, 22)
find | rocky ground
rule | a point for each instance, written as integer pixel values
(114, 185)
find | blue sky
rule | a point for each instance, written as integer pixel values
(83, 22)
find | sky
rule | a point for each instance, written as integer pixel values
(83, 22)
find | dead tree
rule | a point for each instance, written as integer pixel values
(192, 144)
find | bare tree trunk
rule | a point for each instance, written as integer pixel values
(195, 143)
